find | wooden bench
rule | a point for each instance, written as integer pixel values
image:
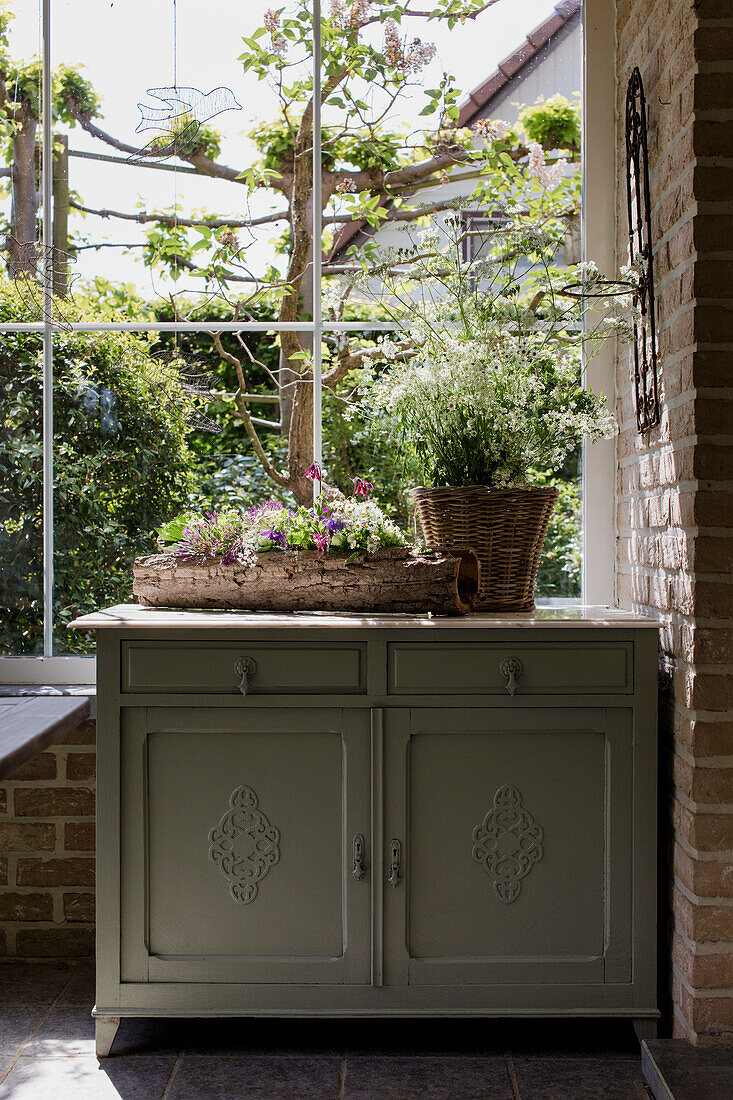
(29, 724)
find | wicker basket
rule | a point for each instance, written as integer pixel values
(506, 528)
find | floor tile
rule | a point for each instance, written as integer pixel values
(16, 1024)
(23, 983)
(580, 1079)
(688, 1072)
(427, 1078)
(256, 1077)
(80, 988)
(84, 1078)
(67, 1031)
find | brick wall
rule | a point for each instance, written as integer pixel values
(675, 503)
(47, 852)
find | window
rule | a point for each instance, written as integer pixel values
(167, 274)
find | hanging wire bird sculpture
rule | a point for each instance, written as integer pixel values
(32, 267)
(182, 114)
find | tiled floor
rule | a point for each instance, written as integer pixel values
(47, 1053)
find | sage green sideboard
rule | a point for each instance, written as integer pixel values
(347, 815)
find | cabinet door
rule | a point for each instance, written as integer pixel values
(237, 845)
(513, 829)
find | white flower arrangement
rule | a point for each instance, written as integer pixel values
(493, 390)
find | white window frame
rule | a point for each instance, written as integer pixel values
(599, 242)
(599, 232)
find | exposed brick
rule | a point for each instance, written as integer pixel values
(704, 738)
(3, 801)
(3, 944)
(705, 832)
(79, 836)
(42, 766)
(80, 765)
(702, 971)
(708, 785)
(26, 907)
(55, 943)
(79, 907)
(703, 923)
(53, 802)
(3, 871)
(77, 871)
(703, 877)
(85, 734)
(27, 836)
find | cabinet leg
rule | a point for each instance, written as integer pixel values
(105, 1029)
(645, 1028)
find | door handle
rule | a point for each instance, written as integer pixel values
(359, 868)
(245, 668)
(395, 863)
(512, 669)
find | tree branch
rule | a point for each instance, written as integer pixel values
(272, 472)
(174, 222)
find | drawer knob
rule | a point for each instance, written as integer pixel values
(359, 869)
(511, 668)
(245, 668)
(395, 863)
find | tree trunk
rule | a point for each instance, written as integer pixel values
(61, 216)
(25, 199)
(398, 579)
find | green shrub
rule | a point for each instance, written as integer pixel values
(122, 467)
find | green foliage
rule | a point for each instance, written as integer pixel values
(553, 122)
(122, 466)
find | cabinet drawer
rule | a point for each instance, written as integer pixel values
(485, 668)
(191, 668)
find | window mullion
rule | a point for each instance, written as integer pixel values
(47, 277)
(317, 244)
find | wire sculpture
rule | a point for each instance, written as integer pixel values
(33, 267)
(182, 114)
(641, 256)
(179, 380)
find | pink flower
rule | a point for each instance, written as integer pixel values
(362, 488)
(313, 473)
(321, 541)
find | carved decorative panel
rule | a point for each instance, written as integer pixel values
(244, 844)
(507, 843)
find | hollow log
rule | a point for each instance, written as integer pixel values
(397, 579)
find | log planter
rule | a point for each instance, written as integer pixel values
(397, 579)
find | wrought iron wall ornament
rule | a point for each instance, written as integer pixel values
(244, 844)
(641, 256)
(507, 844)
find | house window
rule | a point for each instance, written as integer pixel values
(157, 289)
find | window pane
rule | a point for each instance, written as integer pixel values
(21, 488)
(465, 130)
(179, 156)
(132, 452)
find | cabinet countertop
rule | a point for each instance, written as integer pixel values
(137, 617)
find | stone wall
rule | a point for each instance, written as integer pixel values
(675, 485)
(47, 852)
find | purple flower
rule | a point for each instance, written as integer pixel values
(276, 537)
(260, 509)
(314, 473)
(362, 488)
(335, 525)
